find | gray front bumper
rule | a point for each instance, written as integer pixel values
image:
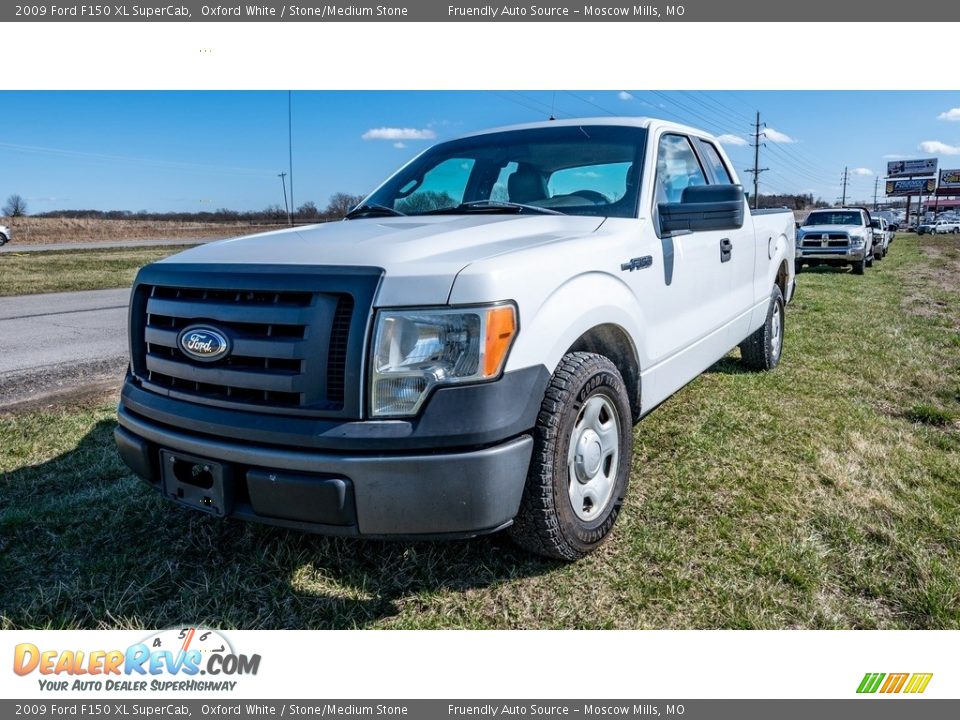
(453, 493)
(845, 254)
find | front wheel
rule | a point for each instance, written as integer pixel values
(761, 351)
(582, 449)
(858, 267)
(3, 240)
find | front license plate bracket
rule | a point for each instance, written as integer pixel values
(197, 482)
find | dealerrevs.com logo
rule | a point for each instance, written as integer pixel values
(182, 659)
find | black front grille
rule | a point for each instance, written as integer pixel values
(290, 347)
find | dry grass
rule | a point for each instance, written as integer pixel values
(26, 273)
(44, 231)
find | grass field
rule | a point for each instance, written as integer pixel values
(43, 231)
(823, 495)
(61, 271)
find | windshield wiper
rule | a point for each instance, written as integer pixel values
(373, 209)
(492, 206)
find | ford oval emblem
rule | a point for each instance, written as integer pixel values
(203, 343)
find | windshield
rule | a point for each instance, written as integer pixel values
(575, 170)
(834, 218)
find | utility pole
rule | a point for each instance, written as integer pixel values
(286, 207)
(846, 175)
(290, 148)
(876, 185)
(756, 162)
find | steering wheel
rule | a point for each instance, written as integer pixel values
(593, 196)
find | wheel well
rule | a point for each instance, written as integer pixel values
(612, 342)
(782, 274)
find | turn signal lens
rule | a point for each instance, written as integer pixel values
(501, 327)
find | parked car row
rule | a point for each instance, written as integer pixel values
(939, 227)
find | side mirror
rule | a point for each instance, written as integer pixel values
(704, 207)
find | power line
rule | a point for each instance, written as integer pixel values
(290, 147)
(286, 207)
(590, 102)
(757, 134)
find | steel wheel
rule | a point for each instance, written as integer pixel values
(594, 458)
(776, 331)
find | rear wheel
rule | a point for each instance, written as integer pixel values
(581, 460)
(3, 239)
(761, 351)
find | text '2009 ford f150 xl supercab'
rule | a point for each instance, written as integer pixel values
(468, 350)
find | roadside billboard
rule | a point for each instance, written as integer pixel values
(914, 186)
(949, 182)
(910, 168)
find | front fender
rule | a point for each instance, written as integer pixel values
(574, 308)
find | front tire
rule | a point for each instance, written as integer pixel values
(580, 468)
(858, 267)
(3, 240)
(762, 350)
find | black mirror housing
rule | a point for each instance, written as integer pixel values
(704, 207)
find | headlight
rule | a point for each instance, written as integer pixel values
(799, 239)
(417, 350)
(856, 239)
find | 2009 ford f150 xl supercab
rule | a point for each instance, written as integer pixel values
(468, 350)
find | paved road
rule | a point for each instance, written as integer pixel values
(50, 341)
(101, 244)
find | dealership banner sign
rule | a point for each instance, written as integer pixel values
(909, 168)
(950, 180)
(915, 186)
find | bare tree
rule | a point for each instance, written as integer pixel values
(16, 206)
(342, 203)
(308, 211)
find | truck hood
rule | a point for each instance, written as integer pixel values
(421, 256)
(806, 229)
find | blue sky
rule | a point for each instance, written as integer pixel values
(188, 151)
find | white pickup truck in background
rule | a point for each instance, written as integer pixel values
(469, 350)
(837, 237)
(5, 234)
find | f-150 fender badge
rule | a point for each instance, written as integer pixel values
(637, 263)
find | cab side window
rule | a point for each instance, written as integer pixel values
(712, 157)
(677, 168)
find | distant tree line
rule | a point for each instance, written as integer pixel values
(793, 202)
(339, 205)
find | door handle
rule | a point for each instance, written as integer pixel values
(726, 250)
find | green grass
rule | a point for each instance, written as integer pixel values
(26, 273)
(815, 496)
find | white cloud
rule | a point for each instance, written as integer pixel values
(936, 147)
(951, 115)
(777, 136)
(862, 171)
(399, 145)
(392, 133)
(624, 95)
(729, 139)
(894, 156)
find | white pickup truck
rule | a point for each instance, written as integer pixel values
(5, 234)
(469, 350)
(836, 236)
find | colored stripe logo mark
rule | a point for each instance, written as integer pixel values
(914, 683)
